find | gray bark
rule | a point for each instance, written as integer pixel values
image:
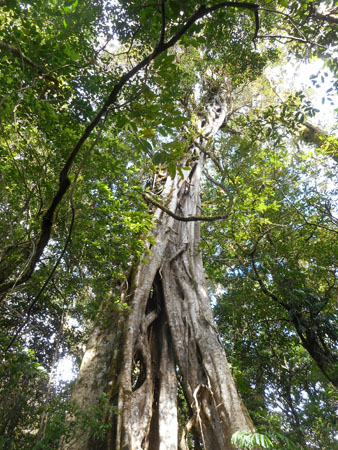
(169, 334)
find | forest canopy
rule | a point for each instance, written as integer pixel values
(169, 224)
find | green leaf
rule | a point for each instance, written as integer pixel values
(172, 170)
(122, 121)
(160, 157)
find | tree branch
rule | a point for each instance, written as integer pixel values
(50, 276)
(161, 42)
(275, 11)
(328, 18)
(290, 38)
(262, 285)
(190, 218)
(17, 52)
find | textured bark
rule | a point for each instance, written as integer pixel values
(205, 374)
(315, 135)
(314, 342)
(168, 336)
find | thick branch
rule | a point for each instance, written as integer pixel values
(190, 218)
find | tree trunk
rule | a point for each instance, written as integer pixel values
(167, 338)
(314, 135)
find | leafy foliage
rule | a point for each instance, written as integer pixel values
(272, 265)
(243, 439)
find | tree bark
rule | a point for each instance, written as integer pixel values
(314, 135)
(167, 338)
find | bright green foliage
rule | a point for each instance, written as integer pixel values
(272, 265)
(23, 384)
(242, 439)
(273, 270)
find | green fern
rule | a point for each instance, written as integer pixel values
(277, 441)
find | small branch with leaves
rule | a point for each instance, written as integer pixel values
(18, 53)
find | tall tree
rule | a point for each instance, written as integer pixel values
(169, 332)
(153, 338)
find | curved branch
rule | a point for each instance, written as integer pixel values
(282, 13)
(190, 218)
(50, 276)
(263, 286)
